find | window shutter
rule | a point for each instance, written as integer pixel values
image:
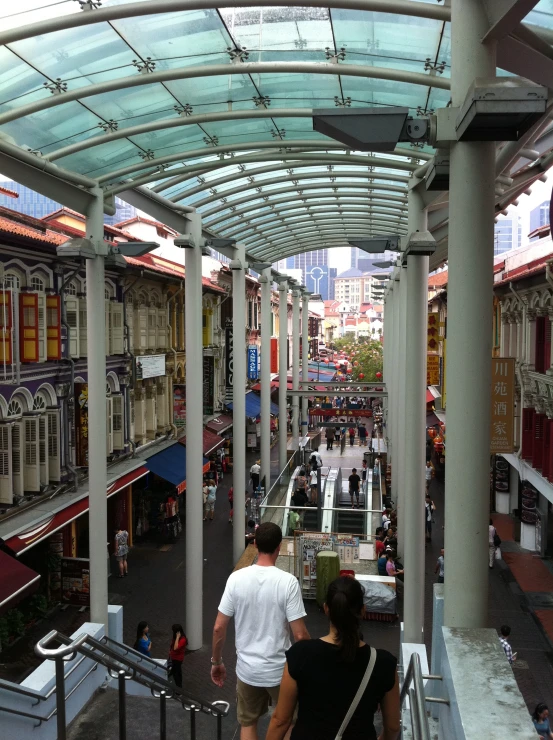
(73, 316)
(108, 325)
(141, 342)
(527, 433)
(43, 449)
(31, 459)
(152, 328)
(130, 327)
(547, 345)
(17, 458)
(546, 445)
(116, 335)
(117, 422)
(109, 427)
(161, 407)
(6, 324)
(540, 340)
(54, 466)
(83, 341)
(42, 328)
(132, 410)
(6, 484)
(53, 324)
(250, 314)
(151, 414)
(28, 327)
(161, 328)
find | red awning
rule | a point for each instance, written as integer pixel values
(274, 384)
(16, 581)
(211, 441)
(219, 424)
(429, 397)
(23, 540)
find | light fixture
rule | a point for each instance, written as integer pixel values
(219, 243)
(381, 277)
(377, 244)
(500, 109)
(419, 244)
(134, 249)
(259, 266)
(78, 247)
(384, 265)
(438, 171)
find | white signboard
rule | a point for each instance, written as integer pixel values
(150, 366)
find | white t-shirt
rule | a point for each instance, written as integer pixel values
(428, 473)
(262, 600)
(255, 469)
(318, 457)
(313, 480)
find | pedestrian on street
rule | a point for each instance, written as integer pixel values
(440, 567)
(363, 434)
(493, 540)
(122, 550)
(540, 718)
(354, 481)
(393, 572)
(429, 509)
(351, 433)
(210, 500)
(337, 432)
(428, 472)
(255, 472)
(323, 676)
(250, 532)
(143, 643)
(231, 503)
(330, 433)
(266, 604)
(176, 654)
(364, 475)
(504, 640)
(315, 459)
(313, 486)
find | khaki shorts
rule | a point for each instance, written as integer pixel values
(253, 702)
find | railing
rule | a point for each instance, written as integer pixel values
(278, 490)
(123, 663)
(417, 700)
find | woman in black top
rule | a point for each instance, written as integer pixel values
(322, 677)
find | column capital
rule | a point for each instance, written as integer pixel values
(506, 318)
(531, 314)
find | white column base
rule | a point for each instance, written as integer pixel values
(502, 502)
(528, 536)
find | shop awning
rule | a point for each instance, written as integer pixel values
(429, 397)
(253, 406)
(274, 384)
(170, 464)
(211, 441)
(435, 391)
(16, 581)
(219, 424)
(431, 419)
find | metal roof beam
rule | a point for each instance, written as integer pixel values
(312, 226)
(279, 223)
(504, 16)
(311, 244)
(322, 231)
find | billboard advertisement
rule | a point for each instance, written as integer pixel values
(150, 366)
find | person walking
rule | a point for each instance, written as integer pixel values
(122, 550)
(540, 718)
(176, 654)
(313, 485)
(231, 504)
(266, 604)
(429, 509)
(492, 539)
(315, 459)
(362, 434)
(428, 471)
(323, 676)
(143, 643)
(330, 433)
(210, 500)
(354, 480)
(504, 640)
(351, 433)
(255, 472)
(440, 567)
(364, 476)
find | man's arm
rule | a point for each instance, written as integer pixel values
(218, 672)
(299, 630)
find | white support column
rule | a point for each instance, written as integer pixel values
(239, 403)
(394, 391)
(415, 425)
(305, 359)
(387, 333)
(266, 280)
(97, 466)
(403, 371)
(194, 446)
(296, 366)
(282, 373)
(469, 335)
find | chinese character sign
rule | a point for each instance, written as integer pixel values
(432, 369)
(252, 362)
(433, 333)
(503, 392)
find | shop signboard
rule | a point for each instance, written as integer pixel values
(274, 355)
(252, 362)
(208, 384)
(75, 581)
(179, 405)
(433, 332)
(502, 411)
(432, 369)
(81, 425)
(339, 412)
(229, 360)
(150, 366)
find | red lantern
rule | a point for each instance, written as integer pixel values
(325, 361)
(431, 433)
(379, 375)
(361, 376)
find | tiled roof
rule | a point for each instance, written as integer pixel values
(142, 220)
(10, 226)
(53, 218)
(9, 193)
(524, 271)
(438, 280)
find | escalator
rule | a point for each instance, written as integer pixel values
(348, 520)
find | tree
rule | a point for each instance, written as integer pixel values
(369, 356)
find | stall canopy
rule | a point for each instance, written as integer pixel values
(170, 464)
(16, 581)
(219, 424)
(253, 406)
(211, 441)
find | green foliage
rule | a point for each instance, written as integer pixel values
(369, 356)
(16, 622)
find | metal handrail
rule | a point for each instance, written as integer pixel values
(419, 718)
(132, 651)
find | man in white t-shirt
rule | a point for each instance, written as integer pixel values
(266, 604)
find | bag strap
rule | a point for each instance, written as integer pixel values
(358, 695)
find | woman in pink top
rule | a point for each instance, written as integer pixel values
(392, 571)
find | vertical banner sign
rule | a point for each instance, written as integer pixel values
(81, 424)
(433, 333)
(252, 362)
(229, 360)
(432, 369)
(274, 355)
(179, 405)
(503, 397)
(208, 384)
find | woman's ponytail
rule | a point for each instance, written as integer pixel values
(344, 600)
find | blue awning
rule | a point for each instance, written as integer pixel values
(170, 464)
(253, 406)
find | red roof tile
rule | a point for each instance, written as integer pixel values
(9, 226)
(142, 220)
(9, 193)
(438, 280)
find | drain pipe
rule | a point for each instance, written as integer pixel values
(523, 347)
(128, 441)
(172, 298)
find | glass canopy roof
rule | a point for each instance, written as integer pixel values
(212, 107)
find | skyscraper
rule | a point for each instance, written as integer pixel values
(361, 260)
(507, 234)
(539, 216)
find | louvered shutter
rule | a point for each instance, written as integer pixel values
(540, 344)
(6, 324)
(537, 447)
(53, 327)
(132, 411)
(151, 415)
(152, 328)
(42, 328)
(28, 327)
(17, 458)
(54, 466)
(547, 345)
(141, 331)
(130, 327)
(117, 422)
(83, 341)
(107, 311)
(6, 483)
(161, 328)
(116, 329)
(109, 427)
(161, 407)
(31, 454)
(73, 314)
(43, 449)
(527, 433)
